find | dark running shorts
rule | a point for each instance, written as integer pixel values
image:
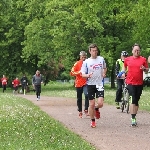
(4, 87)
(16, 88)
(93, 89)
(135, 91)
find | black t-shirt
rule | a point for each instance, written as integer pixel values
(24, 80)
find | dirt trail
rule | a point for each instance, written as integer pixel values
(113, 131)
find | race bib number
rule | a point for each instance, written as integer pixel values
(100, 87)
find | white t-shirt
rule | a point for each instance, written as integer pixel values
(96, 67)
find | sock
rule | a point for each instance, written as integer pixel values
(133, 116)
(93, 120)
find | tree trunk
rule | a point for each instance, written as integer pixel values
(112, 76)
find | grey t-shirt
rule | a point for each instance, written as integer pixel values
(37, 79)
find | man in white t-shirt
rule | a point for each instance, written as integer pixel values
(94, 69)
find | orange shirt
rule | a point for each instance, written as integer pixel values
(75, 71)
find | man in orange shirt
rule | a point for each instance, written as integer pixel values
(4, 82)
(80, 84)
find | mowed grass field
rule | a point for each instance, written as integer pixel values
(23, 126)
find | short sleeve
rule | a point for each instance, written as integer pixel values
(84, 67)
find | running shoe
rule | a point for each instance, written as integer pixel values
(133, 122)
(86, 112)
(117, 105)
(97, 114)
(80, 114)
(93, 124)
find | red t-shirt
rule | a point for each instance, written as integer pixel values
(4, 81)
(135, 74)
(15, 83)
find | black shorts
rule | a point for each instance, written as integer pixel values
(93, 89)
(4, 87)
(135, 91)
(24, 86)
(16, 88)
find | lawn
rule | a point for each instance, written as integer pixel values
(23, 126)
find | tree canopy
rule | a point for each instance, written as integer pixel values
(48, 35)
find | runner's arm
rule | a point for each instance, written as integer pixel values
(84, 71)
(117, 68)
(104, 69)
(145, 69)
(104, 72)
(74, 70)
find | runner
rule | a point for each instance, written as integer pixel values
(24, 83)
(4, 82)
(80, 84)
(136, 64)
(94, 69)
(36, 82)
(15, 84)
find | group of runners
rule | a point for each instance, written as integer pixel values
(37, 80)
(89, 76)
(89, 79)
(15, 83)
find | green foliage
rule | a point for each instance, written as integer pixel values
(46, 34)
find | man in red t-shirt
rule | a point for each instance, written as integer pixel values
(136, 64)
(16, 84)
(4, 82)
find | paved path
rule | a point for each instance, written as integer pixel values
(113, 131)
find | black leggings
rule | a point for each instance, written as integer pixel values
(38, 90)
(4, 88)
(120, 83)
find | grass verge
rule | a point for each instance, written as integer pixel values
(23, 126)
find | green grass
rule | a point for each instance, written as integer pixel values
(23, 126)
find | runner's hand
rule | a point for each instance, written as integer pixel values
(90, 75)
(120, 74)
(104, 75)
(143, 68)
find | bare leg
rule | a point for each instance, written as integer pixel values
(133, 109)
(100, 102)
(92, 108)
